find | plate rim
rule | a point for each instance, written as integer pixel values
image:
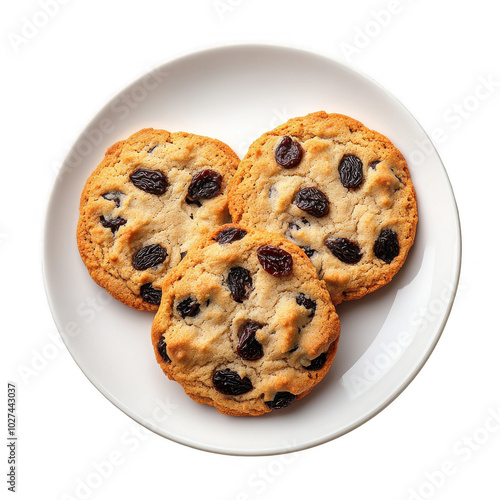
(454, 280)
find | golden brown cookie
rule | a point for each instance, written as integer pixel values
(245, 324)
(151, 198)
(340, 191)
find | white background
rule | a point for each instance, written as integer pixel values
(436, 440)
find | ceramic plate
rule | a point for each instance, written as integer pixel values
(235, 94)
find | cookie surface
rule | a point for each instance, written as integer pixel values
(245, 324)
(151, 198)
(340, 191)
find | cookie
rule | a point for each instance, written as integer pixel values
(340, 191)
(151, 198)
(245, 324)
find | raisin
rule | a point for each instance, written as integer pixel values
(113, 224)
(275, 261)
(162, 351)
(151, 295)
(205, 184)
(387, 246)
(297, 224)
(239, 283)
(345, 250)
(229, 235)
(282, 399)
(230, 383)
(397, 177)
(309, 251)
(115, 196)
(351, 171)
(374, 164)
(151, 181)
(188, 307)
(249, 348)
(151, 149)
(148, 257)
(288, 154)
(291, 227)
(317, 363)
(183, 254)
(309, 304)
(191, 202)
(313, 201)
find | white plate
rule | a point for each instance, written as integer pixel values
(234, 94)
